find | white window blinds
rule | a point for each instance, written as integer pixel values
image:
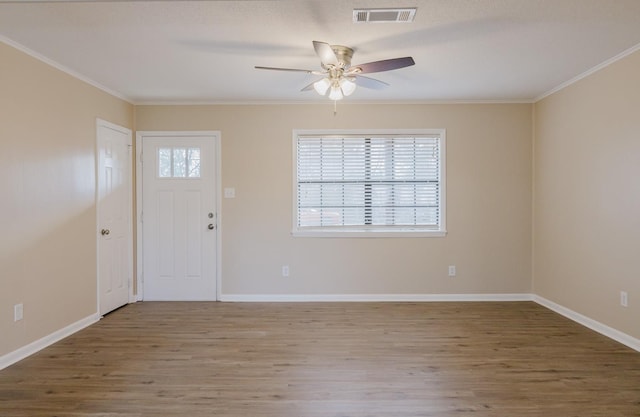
(369, 182)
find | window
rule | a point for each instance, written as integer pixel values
(179, 162)
(369, 184)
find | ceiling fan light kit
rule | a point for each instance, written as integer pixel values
(335, 62)
(340, 78)
(339, 87)
(336, 93)
(321, 86)
(347, 86)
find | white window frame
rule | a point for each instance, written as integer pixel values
(371, 231)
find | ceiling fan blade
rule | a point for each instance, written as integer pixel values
(379, 66)
(309, 87)
(326, 54)
(372, 83)
(286, 69)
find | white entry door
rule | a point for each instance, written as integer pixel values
(115, 252)
(179, 217)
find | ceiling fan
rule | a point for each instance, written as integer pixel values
(339, 76)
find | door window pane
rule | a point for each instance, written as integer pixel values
(179, 163)
(164, 162)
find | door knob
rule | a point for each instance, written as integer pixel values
(211, 226)
(104, 232)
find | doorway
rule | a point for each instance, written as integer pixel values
(114, 212)
(178, 215)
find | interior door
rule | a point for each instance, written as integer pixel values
(115, 251)
(179, 217)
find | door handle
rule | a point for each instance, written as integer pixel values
(211, 226)
(104, 232)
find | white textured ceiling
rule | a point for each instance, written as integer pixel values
(205, 51)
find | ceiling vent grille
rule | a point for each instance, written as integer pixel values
(405, 15)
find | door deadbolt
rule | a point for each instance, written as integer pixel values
(104, 232)
(211, 226)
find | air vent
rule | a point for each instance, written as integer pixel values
(384, 15)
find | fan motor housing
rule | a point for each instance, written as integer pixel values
(344, 55)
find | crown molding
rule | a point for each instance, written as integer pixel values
(587, 73)
(63, 68)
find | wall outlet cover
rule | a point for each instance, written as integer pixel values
(18, 312)
(624, 301)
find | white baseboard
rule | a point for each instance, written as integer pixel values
(28, 350)
(271, 298)
(594, 325)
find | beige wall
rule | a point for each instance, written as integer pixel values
(488, 201)
(587, 196)
(47, 188)
(583, 141)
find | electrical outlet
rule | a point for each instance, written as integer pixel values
(285, 270)
(623, 299)
(452, 270)
(18, 312)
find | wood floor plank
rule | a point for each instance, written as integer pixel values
(327, 360)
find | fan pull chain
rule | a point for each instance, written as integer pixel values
(335, 107)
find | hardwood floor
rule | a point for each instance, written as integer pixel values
(329, 360)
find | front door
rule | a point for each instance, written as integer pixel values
(115, 252)
(179, 216)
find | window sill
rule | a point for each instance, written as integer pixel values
(371, 233)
